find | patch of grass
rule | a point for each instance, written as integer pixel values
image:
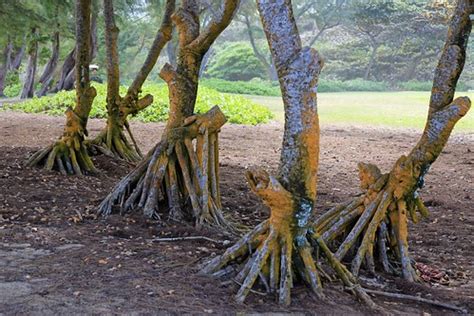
(237, 108)
(391, 109)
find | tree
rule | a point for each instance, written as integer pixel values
(283, 246)
(29, 85)
(184, 164)
(112, 140)
(376, 222)
(69, 154)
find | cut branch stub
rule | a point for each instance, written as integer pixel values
(279, 251)
(182, 167)
(377, 222)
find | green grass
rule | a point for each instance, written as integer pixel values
(391, 109)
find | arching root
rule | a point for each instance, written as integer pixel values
(280, 250)
(69, 154)
(183, 166)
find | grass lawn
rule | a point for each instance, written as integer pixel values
(393, 109)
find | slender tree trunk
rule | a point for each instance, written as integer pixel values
(29, 85)
(371, 63)
(69, 154)
(50, 68)
(377, 221)
(16, 61)
(183, 166)
(269, 66)
(284, 243)
(5, 61)
(171, 51)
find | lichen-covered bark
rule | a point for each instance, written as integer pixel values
(375, 225)
(181, 166)
(69, 154)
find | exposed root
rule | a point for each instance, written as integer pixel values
(113, 142)
(375, 225)
(279, 251)
(69, 154)
(183, 166)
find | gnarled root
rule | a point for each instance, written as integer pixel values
(113, 142)
(183, 166)
(280, 249)
(69, 154)
(377, 221)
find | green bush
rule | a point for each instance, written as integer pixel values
(235, 62)
(238, 109)
(255, 86)
(351, 85)
(415, 85)
(13, 90)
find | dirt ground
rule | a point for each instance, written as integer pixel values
(57, 257)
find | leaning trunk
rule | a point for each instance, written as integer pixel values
(50, 68)
(4, 66)
(29, 85)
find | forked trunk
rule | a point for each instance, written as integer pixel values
(183, 166)
(29, 85)
(374, 226)
(69, 154)
(4, 66)
(112, 140)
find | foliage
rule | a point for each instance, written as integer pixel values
(236, 61)
(13, 90)
(415, 85)
(238, 109)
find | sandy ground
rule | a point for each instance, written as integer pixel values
(51, 264)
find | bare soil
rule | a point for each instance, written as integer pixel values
(57, 257)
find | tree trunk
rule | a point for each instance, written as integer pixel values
(371, 63)
(112, 140)
(68, 71)
(376, 222)
(269, 66)
(16, 61)
(50, 68)
(183, 166)
(283, 244)
(69, 154)
(171, 52)
(5, 66)
(29, 85)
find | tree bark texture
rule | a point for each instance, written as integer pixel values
(50, 67)
(29, 85)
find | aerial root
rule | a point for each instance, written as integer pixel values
(374, 225)
(183, 166)
(278, 251)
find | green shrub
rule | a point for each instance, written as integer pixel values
(235, 62)
(415, 85)
(255, 86)
(238, 109)
(13, 90)
(351, 85)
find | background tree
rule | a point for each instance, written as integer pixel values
(69, 154)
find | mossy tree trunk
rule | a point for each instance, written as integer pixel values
(112, 140)
(69, 154)
(372, 229)
(280, 251)
(181, 174)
